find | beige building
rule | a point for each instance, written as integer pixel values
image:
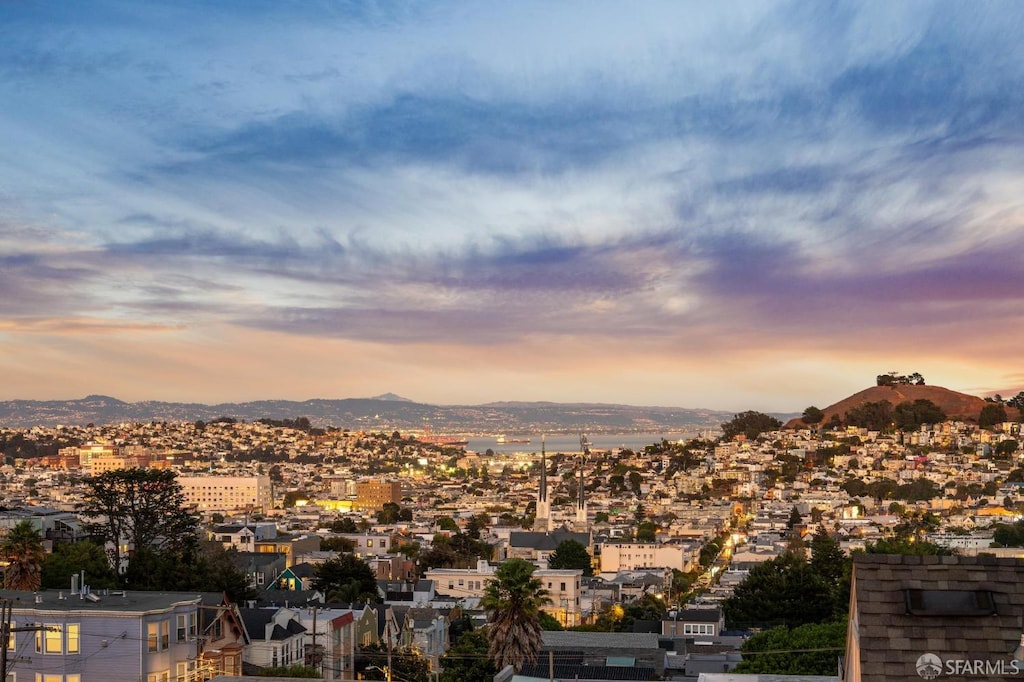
(227, 493)
(563, 586)
(633, 556)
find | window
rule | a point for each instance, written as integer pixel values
(163, 676)
(562, 587)
(10, 638)
(185, 626)
(158, 635)
(50, 640)
(72, 638)
(698, 629)
(218, 628)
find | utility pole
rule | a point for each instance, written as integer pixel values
(6, 609)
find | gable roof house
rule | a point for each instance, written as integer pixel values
(222, 636)
(914, 617)
(276, 637)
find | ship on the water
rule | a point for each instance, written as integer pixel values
(502, 439)
(453, 441)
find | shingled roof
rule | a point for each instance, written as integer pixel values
(953, 607)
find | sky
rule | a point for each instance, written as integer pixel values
(729, 205)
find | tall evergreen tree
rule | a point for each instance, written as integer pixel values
(512, 600)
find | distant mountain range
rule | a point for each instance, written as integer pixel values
(384, 412)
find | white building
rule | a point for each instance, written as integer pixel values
(227, 494)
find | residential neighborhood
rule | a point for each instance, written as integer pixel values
(669, 531)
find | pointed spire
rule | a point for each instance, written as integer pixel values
(542, 490)
(542, 518)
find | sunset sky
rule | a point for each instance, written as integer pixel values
(749, 205)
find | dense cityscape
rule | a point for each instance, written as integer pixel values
(275, 547)
(448, 341)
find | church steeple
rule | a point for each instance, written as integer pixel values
(542, 519)
(581, 503)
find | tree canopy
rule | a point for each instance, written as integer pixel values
(810, 649)
(782, 591)
(346, 578)
(750, 424)
(991, 414)
(145, 507)
(910, 415)
(812, 415)
(571, 554)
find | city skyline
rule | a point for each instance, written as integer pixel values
(730, 206)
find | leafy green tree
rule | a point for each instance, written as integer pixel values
(1006, 448)
(991, 414)
(601, 517)
(876, 416)
(647, 608)
(448, 523)
(344, 525)
(646, 531)
(406, 664)
(337, 543)
(466, 659)
(750, 423)
(346, 578)
(389, 513)
(810, 649)
(782, 591)
(22, 548)
(571, 554)
(906, 546)
(70, 558)
(549, 622)
(911, 415)
(146, 507)
(812, 415)
(1009, 535)
(290, 671)
(513, 600)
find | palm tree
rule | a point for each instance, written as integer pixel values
(23, 550)
(513, 599)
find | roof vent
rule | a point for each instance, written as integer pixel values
(92, 597)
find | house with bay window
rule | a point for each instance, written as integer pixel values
(81, 636)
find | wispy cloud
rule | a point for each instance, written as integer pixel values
(755, 177)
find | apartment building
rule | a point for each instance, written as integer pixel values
(115, 637)
(563, 586)
(373, 495)
(227, 494)
(632, 556)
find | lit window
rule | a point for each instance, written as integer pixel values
(10, 638)
(53, 639)
(151, 636)
(72, 638)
